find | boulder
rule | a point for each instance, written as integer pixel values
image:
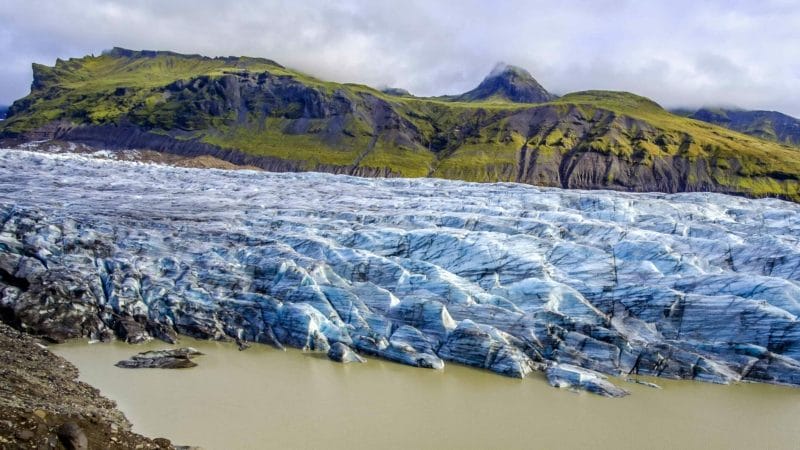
(72, 437)
(179, 358)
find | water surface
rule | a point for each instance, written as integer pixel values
(266, 398)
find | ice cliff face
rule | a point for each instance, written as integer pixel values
(505, 277)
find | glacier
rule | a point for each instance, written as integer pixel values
(506, 277)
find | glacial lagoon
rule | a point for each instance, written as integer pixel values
(267, 398)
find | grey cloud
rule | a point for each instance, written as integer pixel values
(680, 53)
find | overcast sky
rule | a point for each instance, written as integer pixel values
(679, 53)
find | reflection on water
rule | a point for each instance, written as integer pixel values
(266, 398)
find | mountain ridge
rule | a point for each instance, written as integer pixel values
(769, 125)
(255, 111)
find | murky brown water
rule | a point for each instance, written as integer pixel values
(265, 398)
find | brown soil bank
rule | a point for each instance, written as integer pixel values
(44, 406)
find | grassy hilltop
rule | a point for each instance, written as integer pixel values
(257, 111)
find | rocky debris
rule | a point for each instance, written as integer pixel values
(572, 377)
(344, 354)
(43, 405)
(72, 437)
(179, 358)
(241, 344)
(504, 277)
(643, 383)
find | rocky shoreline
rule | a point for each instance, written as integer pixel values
(43, 405)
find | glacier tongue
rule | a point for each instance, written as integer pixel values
(506, 277)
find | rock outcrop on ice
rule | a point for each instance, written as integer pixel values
(504, 277)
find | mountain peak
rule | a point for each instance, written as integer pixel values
(502, 69)
(511, 83)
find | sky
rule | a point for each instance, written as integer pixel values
(679, 53)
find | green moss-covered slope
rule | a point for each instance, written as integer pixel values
(256, 111)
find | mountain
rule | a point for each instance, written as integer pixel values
(770, 125)
(3, 111)
(683, 112)
(508, 83)
(254, 111)
(396, 92)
